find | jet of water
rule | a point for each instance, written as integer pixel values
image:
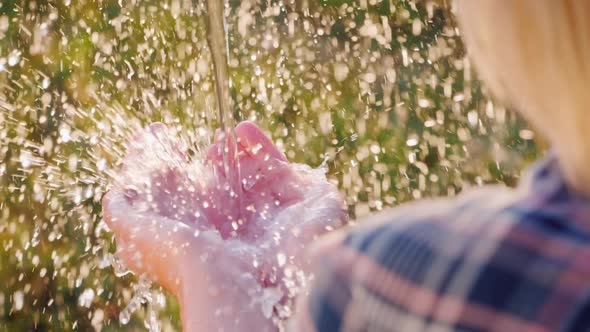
(217, 40)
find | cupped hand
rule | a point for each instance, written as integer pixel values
(231, 249)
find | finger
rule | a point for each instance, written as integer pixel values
(252, 142)
(153, 244)
(319, 212)
(256, 143)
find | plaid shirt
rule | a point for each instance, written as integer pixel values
(495, 259)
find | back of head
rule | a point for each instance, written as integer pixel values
(535, 54)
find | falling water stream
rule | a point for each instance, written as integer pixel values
(218, 41)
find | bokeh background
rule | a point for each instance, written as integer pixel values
(377, 91)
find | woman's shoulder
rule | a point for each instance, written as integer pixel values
(488, 249)
(438, 223)
(472, 207)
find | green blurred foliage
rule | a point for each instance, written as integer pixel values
(380, 92)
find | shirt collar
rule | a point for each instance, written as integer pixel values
(545, 188)
(545, 180)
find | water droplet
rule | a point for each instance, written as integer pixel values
(255, 149)
(101, 165)
(14, 58)
(85, 299)
(25, 159)
(281, 259)
(35, 238)
(64, 134)
(270, 297)
(416, 27)
(131, 192)
(46, 82)
(412, 141)
(526, 134)
(119, 268)
(18, 300)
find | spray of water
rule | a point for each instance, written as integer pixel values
(378, 91)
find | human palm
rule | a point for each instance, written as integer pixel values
(232, 252)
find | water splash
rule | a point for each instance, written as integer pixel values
(348, 83)
(142, 294)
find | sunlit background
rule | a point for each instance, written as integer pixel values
(378, 91)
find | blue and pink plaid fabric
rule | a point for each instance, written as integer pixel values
(495, 259)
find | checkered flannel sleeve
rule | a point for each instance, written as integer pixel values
(506, 267)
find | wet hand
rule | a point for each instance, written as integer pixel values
(229, 250)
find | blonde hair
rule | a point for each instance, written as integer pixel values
(536, 55)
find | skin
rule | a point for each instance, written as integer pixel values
(172, 219)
